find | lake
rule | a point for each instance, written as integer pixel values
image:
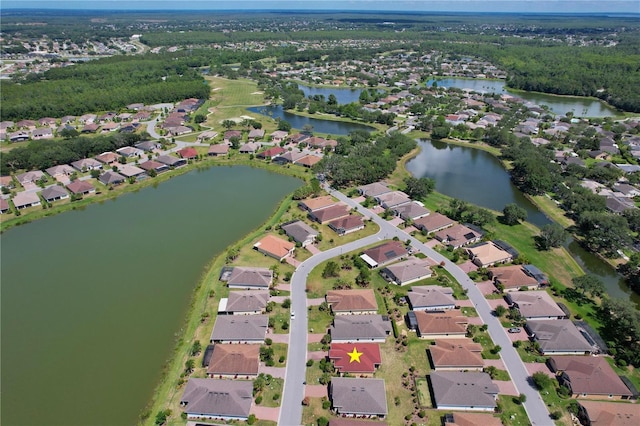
(580, 106)
(343, 95)
(478, 177)
(93, 300)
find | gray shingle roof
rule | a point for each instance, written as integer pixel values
(358, 396)
(299, 231)
(558, 336)
(243, 276)
(359, 327)
(247, 300)
(224, 398)
(469, 389)
(250, 328)
(431, 296)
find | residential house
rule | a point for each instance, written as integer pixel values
(47, 121)
(589, 377)
(171, 161)
(278, 136)
(26, 124)
(373, 189)
(240, 329)
(312, 204)
(87, 164)
(107, 158)
(298, 138)
(4, 206)
(22, 200)
(248, 278)
(178, 130)
(255, 134)
(129, 170)
(148, 146)
(329, 214)
(431, 298)
(6, 182)
(230, 134)
(411, 211)
(249, 148)
(111, 178)
(300, 232)
(356, 397)
(408, 271)
(461, 418)
(234, 361)
(441, 325)
(599, 413)
(130, 152)
(456, 355)
(149, 165)
(393, 199)
(308, 161)
(30, 177)
(90, 128)
(348, 302)
(355, 358)
(54, 193)
(42, 133)
(345, 421)
(19, 136)
(244, 302)
(206, 136)
(188, 153)
(217, 399)
(62, 170)
(81, 187)
(87, 118)
(512, 278)
(218, 150)
(271, 153)
(110, 127)
(275, 247)
(618, 205)
(627, 190)
(458, 235)
(433, 222)
(291, 156)
(384, 253)
(535, 305)
(558, 337)
(346, 225)
(463, 391)
(359, 328)
(488, 254)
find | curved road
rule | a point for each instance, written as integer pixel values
(293, 393)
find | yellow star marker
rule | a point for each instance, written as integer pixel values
(354, 355)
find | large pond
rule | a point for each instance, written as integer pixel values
(343, 95)
(478, 177)
(579, 106)
(93, 300)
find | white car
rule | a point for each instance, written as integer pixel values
(293, 315)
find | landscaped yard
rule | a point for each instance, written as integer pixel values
(424, 395)
(272, 392)
(512, 414)
(319, 320)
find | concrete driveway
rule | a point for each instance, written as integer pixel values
(266, 413)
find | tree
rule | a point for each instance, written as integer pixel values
(440, 132)
(621, 329)
(228, 124)
(551, 235)
(284, 125)
(331, 270)
(501, 310)
(604, 233)
(541, 380)
(512, 214)
(235, 142)
(589, 284)
(196, 348)
(419, 188)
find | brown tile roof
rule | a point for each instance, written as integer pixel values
(433, 222)
(352, 300)
(387, 252)
(408, 271)
(244, 276)
(346, 223)
(374, 189)
(611, 413)
(220, 148)
(317, 203)
(152, 165)
(474, 419)
(456, 353)
(535, 304)
(247, 300)
(512, 277)
(274, 246)
(80, 187)
(343, 421)
(222, 398)
(107, 157)
(330, 213)
(457, 235)
(589, 375)
(355, 357)
(234, 359)
(308, 160)
(441, 323)
(488, 253)
(463, 390)
(358, 396)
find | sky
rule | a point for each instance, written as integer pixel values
(517, 6)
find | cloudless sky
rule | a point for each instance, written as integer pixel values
(527, 6)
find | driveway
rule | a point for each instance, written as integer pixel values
(265, 413)
(317, 355)
(316, 391)
(486, 287)
(315, 302)
(311, 248)
(278, 338)
(274, 371)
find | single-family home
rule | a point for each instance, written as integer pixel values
(42, 133)
(355, 358)
(275, 247)
(62, 170)
(130, 152)
(81, 187)
(22, 200)
(149, 165)
(87, 164)
(374, 189)
(19, 136)
(461, 418)
(384, 253)
(245, 277)
(171, 161)
(278, 136)
(308, 161)
(173, 130)
(512, 278)
(30, 177)
(217, 399)
(47, 121)
(240, 329)
(408, 271)
(348, 302)
(111, 178)
(218, 150)
(434, 222)
(110, 127)
(300, 232)
(356, 397)
(107, 157)
(441, 325)
(234, 361)
(589, 377)
(6, 182)
(488, 254)
(596, 413)
(129, 170)
(244, 302)
(558, 337)
(318, 203)
(255, 134)
(148, 146)
(458, 235)
(359, 328)
(411, 211)
(54, 193)
(90, 128)
(298, 138)
(206, 136)
(463, 391)
(188, 153)
(456, 355)
(230, 134)
(4, 206)
(249, 148)
(26, 124)
(431, 298)
(346, 225)
(393, 199)
(271, 153)
(291, 157)
(535, 305)
(329, 214)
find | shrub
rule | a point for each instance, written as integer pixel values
(556, 415)
(309, 363)
(276, 396)
(322, 421)
(268, 341)
(258, 399)
(326, 405)
(281, 359)
(251, 419)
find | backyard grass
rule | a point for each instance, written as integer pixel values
(319, 320)
(512, 414)
(272, 393)
(279, 349)
(280, 318)
(424, 396)
(312, 412)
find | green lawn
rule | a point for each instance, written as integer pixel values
(512, 414)
(272, 393)
(424, 395)
(319, 320)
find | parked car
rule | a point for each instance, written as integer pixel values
(293, 315)
(514, 330)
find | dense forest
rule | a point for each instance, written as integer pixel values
(102, 85)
